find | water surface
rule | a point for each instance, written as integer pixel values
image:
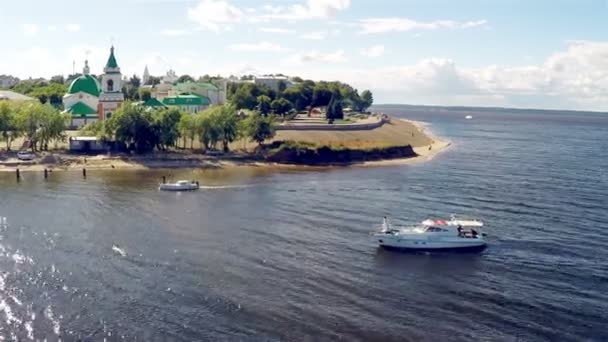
(285, 254)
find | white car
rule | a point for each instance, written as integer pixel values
(25, 155)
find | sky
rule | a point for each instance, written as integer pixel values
(507, 53)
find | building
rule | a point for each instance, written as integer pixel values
(88, 100)
(170, 78)
(7, 95)
(189, 103)
(146, 76)
(111, 96)
(7, 81)
(273, 82)
(215, 93)
(82, 99)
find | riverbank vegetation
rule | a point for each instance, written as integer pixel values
(136, 128)
(39, 124)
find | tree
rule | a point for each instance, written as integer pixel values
(281, 106)
(264, 104)
(207, 129)
(245, 96)
(145, 94)
(334, 109)
(58, 79)
(41, 124)
(227, 124)
(185, 78)
(259, 128)
(166, 123)
(51, 93)
(134, 127)
(367, 98)
(282, 86)
(9, 130)
(321, 94)
(186, 128)
(153, 80)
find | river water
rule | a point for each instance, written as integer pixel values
(285, 255)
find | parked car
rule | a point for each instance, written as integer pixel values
(25, 155)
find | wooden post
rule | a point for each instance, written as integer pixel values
(84, 173)
(18, 175)
(164, 179)
(46, 173)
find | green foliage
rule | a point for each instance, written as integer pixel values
(58, 79)
(39, 123)
(322, 94)
(334, 108)
(145, 94)
(166, 125)
(45, 92)
(245, 96)
(134, 127)
(227, 125)
(207, 129)
(281, 106)
(130, 89)
(9, 129)
(185, 78)
(187, 129)
(264, 104)
(94, 129)
(259, 128)
(367, 99)
(153, 80)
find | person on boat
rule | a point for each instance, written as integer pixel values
(459, 230)
(474, 233)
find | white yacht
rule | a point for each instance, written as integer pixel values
(182, 185)
(433, 234)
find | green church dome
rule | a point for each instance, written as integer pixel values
(86, 84)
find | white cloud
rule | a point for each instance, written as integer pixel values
(373, 51)
(214, 14)
(276, 30)
(262, 46)
(381, 25)
(319, 35)
(311, 9)
(30, 29)
(72, 27)
(174, 32)
(316, 57)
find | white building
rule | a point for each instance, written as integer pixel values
(111, 87)
(88, 101)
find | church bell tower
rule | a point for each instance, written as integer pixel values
(111, 88)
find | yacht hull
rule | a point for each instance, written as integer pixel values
(452, 244)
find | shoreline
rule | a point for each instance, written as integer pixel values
(65, 161)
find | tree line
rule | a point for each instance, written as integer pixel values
(40, 124)
(303, 96)
(140, 129)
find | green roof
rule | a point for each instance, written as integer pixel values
(153, 102)
(190, 87)
(186, 100)
(86, 84)
(81, 110)
(112, 60)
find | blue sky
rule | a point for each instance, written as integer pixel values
(539, 54)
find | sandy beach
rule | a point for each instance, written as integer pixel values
(399, 131)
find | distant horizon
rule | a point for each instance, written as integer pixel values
(490, 107)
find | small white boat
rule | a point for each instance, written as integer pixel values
(182, 185)
(432, 234)
(468, 117)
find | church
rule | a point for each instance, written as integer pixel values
(88, 100)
